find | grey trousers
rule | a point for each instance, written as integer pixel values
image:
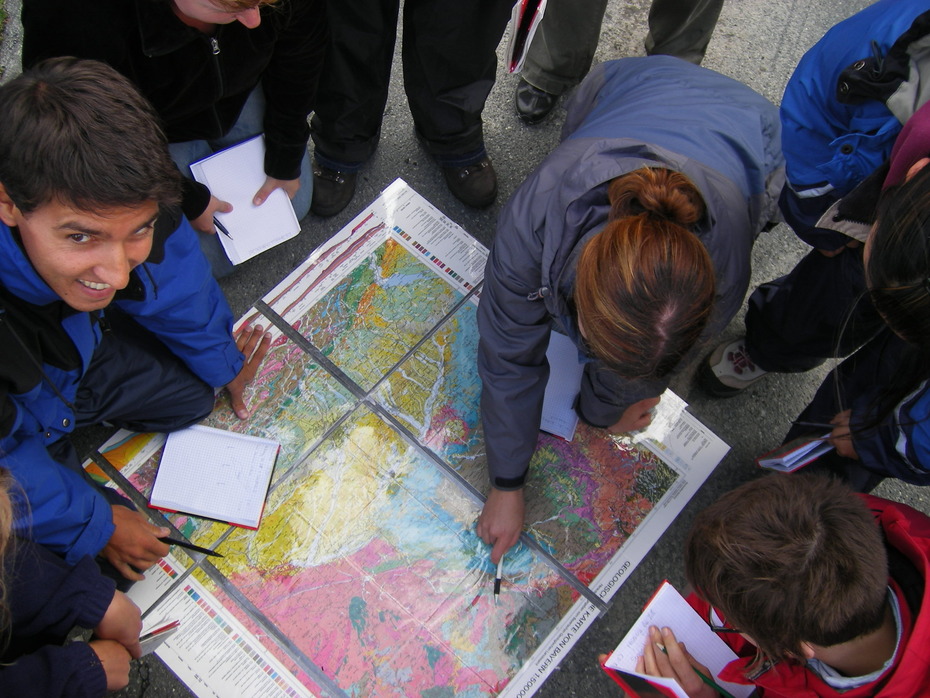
(566, 39)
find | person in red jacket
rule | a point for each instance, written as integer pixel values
(819, 591)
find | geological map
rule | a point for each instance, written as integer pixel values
(366, 576)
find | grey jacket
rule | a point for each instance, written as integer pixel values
(636, 112)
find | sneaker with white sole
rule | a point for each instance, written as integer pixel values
(729, 369)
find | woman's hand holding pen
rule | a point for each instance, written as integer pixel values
(501, 521)
(664, 656)
(134, 544)
(254, 343)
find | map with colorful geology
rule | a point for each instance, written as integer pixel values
(366, 576)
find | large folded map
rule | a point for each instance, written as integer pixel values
(366, 577)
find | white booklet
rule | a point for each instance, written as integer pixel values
(558, 413)
(234, 175)
(796, 453)
(216, 474)
(668, 608)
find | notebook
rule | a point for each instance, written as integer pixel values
(668, 608)
(235, 175)
(216, 474)
(795, 454)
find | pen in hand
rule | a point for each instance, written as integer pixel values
(497, 579)
(221, 228)
(190, 546)
(706, 679)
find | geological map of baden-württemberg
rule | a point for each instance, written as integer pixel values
(366, 560)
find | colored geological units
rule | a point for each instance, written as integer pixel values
(366, 577)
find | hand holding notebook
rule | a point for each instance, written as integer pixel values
(668, 608)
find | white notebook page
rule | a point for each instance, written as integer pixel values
(558, 412)
(214, 473)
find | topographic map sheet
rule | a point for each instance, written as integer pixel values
(366, 577)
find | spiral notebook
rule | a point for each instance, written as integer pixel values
(216, 474)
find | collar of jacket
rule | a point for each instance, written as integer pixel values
(160, 29)
(854, 214)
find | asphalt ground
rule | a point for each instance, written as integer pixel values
(757, 42)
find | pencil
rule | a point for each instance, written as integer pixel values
(706, 679)
(821, 425)
(189, 546)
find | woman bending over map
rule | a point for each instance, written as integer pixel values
(633, 238)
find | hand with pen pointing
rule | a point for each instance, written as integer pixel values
(664, 656)
(134, 544)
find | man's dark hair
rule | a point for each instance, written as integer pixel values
(789, 559)
(78, 132)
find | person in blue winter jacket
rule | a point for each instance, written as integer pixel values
(633, 238)
(843, 107)
(878, 399)
(41, 599)
(108, 311)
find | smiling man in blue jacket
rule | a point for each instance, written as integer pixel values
(108, 311)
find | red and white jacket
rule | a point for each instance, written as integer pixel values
(907, 534)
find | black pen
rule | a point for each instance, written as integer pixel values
(190, 546)
(498, 577)
(221, 228)
(821, 425)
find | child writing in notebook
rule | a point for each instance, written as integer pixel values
(819, 591)
(41, 599)
(108, 311)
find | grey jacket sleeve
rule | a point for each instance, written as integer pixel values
(511, 359)
(605, 396)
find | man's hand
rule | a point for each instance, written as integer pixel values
(204, 222)
(637, 416)
(841, 437)
(501, 521)
(290, 187)
(122, 622)
(254, 343)
(115, 660)
(675, 663)
(134, 542)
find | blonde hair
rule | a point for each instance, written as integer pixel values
(645, 285)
